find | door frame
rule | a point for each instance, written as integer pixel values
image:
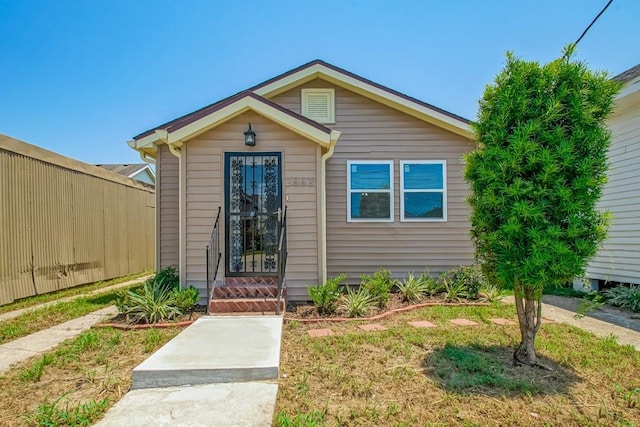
(227, 197)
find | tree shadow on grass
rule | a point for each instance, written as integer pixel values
(489, 370)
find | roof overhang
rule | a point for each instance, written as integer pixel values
(367, 89)
(179, 133)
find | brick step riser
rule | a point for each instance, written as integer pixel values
(245, 306)
(227, 292)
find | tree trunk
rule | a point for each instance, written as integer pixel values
(530, 317)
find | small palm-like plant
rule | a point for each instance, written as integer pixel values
(356, 303)
(491, 292)
(153, 304)
(414, 288)
(454, 290)
(624, 297)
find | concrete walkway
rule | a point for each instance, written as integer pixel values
(220, 371)
(601, 322)
(42, 341)
(16, 313)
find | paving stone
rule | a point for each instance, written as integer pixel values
(463, 322)
(372, 327)
(314, 333)
(422, 324)
(501, 321)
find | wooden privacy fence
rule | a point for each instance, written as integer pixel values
(66, 223)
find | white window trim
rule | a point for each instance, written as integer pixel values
(443, 191)
(390, 191)
(332, 104)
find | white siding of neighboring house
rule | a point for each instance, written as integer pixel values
(619, 258)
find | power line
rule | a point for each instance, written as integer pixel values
(593, 22)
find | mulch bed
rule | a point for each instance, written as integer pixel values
(307, 313)
(121, 322)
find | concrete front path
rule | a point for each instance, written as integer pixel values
(220, 371)
(207, 405)
(600, 322)
(42, 341)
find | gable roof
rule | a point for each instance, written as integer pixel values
(256, 98)
(183, 128)
(343, 78)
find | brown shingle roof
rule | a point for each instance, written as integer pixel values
(124, 169)
(183, 121)
(628, 75)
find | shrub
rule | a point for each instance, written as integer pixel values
(356, 303)
(432, 285)
(326, 296)
(186, 299)
(378, 286)
(167, 278)
(471, 279)
(414, 288)
(624, 297)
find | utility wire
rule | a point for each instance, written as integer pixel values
(593, 22)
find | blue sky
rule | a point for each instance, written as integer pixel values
(81, 77)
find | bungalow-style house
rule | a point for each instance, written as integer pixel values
(138, 171)
(618, 260)
(310, 174)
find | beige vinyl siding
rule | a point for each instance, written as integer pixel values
(205, 192)
(372, 131)
(168, 202)
(619, 258)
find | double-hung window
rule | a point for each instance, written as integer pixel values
(423, 190)
(370, 191)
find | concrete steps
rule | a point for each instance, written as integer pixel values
(256, 295)
(215, 350)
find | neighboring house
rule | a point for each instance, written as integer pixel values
(139, 171)
(371, 179)
(619, 258)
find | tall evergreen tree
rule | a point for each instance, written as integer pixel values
(536, 175)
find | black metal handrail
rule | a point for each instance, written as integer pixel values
(282, 257)
(213, 257)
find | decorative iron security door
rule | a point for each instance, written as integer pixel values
(253, 208)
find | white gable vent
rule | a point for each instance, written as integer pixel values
(319, 105)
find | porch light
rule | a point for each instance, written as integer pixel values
(250, 137)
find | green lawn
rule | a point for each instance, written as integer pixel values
(452, 375)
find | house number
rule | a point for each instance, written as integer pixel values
(301, 182)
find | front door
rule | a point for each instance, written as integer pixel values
(253, 204)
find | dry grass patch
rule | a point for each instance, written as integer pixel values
(452, 375)
(76, 383)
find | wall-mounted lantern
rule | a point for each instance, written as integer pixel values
(250, 137)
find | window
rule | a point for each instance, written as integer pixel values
(319, 105)
(423, 190)
(370, 191)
